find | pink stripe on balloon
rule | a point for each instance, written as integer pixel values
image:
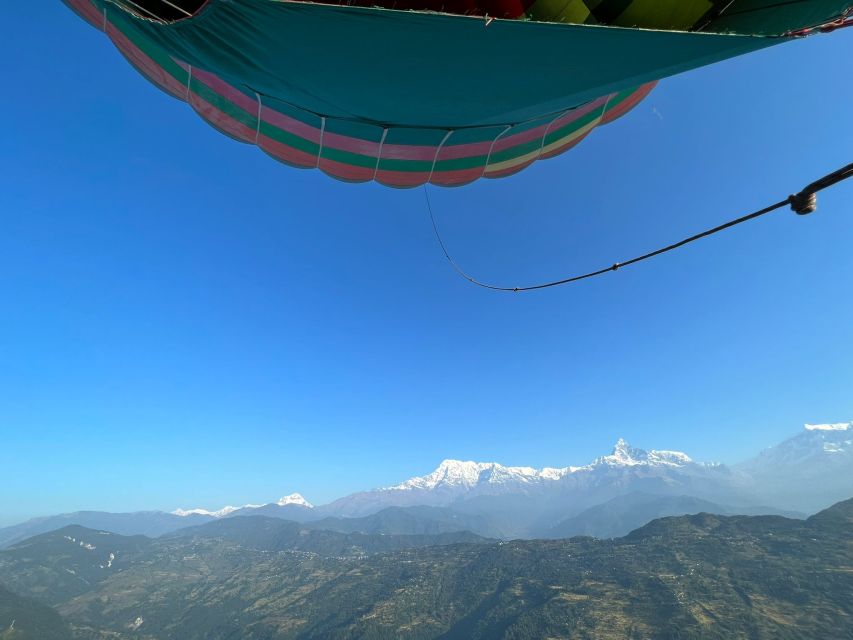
(360, 146)
(343, 171)
(221, 120)
(291, 125)
(628, 103)
(507, 142)
(364, 147)
(286, 154)
(414, 152)
(456, 178)
(227, 91)
(402, 179)
(153, 71)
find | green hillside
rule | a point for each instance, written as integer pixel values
(26, 619)
(703, 576)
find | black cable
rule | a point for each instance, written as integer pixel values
(802, 203)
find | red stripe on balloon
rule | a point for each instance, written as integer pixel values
(146, 65)
(628, 103)
(287, 154)
(87, 11)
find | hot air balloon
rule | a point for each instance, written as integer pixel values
(408, 92)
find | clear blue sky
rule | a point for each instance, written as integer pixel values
(185, 322)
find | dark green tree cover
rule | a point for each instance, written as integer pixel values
(701, 576)
(27, 619)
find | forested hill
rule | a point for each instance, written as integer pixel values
(702, 576)
(27, 619)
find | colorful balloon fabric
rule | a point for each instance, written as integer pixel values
(408, 92)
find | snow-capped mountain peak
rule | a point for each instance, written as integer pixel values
(459, 474)
(834, 438)
(458, 482)
(296, 499)
(838, 426)
(674, 458)
(808, 471)
(624, 455)
(816, 445)
(292, 499)
(453, 472)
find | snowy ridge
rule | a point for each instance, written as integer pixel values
(467, 474)
(815, 445)
(294, 498)
(838, 426)
(219, 513)
(835, 438)
(808, 471)
(458, 474)
(624, 455)
(805, 472)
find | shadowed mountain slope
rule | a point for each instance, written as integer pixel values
(700, 576)
(26, 619)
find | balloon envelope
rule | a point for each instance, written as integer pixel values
(406, 97)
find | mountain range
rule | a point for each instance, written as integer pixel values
(607, 497)
(258, 578)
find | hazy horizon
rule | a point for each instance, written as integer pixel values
(273, 496)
